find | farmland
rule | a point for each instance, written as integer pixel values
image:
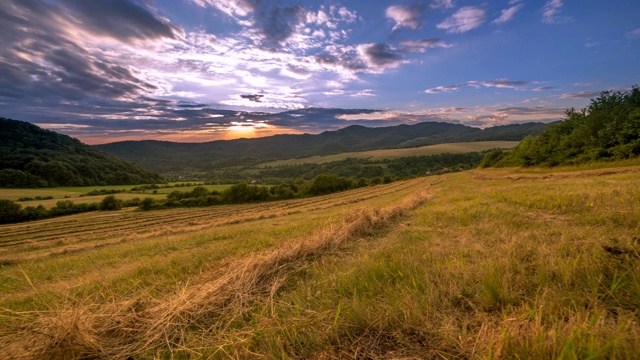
(48, 197)
(493, 263)
(398, 153)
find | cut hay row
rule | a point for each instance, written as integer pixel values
(91, 232)
(121, 330)
(70, 223)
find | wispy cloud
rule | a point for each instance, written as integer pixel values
(580, 95)
(444, 4)
(404, 16)
(508, 14)
(551, 13)
(465, 19)
(499, 83)
(421, 46)
(633, 34)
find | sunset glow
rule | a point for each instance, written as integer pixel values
(198, 70)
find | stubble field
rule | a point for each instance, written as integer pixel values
(503, 263)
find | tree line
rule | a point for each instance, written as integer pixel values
(607, 129)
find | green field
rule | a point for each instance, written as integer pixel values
(75, 194)
(481, 264)
(398, 153)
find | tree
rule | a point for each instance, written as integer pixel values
(110, 203)
(9, 211)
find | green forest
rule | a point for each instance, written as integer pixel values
(34, 157)
(607, 129)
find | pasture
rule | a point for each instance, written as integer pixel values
(77, 193)
(481, 264)
(398, 153)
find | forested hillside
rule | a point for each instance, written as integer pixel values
(33, 157)
(609, 128)
(164, 156)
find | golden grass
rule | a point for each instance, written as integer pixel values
(497, 264)
(398, 153)
(121, 330)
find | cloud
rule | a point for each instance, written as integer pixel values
(465, 19)
(379, 55)
(59, 60)
(499, 83)
(551, 13)
(278, 24)
(633, 34)
(253, 97)
(504, 83)
(580, 95)
(124, 20)
(507, 15)
(404, 17)
(543, 88)
(446, 88)
(274, 23)
(444, 4)
(586, 83)
(233, 8)
(421, 46)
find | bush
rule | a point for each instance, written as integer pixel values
(110, 203)
(9, 211)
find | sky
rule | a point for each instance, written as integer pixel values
(202, 70)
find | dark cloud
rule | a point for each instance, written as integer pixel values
(121, 19)
(277, 24)
(50, 65)
(253, 97)
(349, 60)
(380, 55)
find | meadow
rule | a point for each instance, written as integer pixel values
(48, 197)
(456, 148)
(481, 264)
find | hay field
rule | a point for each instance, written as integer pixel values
(482, 264)
(398, 153)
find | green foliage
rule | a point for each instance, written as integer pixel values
(9, 211)
(34, 157)
(235, 155)
(329, 183)
(111, 203)
(607, 129)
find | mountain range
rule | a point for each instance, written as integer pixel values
(165, 156)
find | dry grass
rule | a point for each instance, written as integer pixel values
(497, 264)
(398, 153)
(122, 330)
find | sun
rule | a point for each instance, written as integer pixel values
(247, 129)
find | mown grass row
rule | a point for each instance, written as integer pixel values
(497, 264)
(20, 242)
(496, 268)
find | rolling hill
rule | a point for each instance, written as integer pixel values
(164, 156)
(34, 157)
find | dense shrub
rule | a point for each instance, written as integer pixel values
(609, 128)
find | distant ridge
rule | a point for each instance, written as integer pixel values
(165, 156)
(34, 157)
